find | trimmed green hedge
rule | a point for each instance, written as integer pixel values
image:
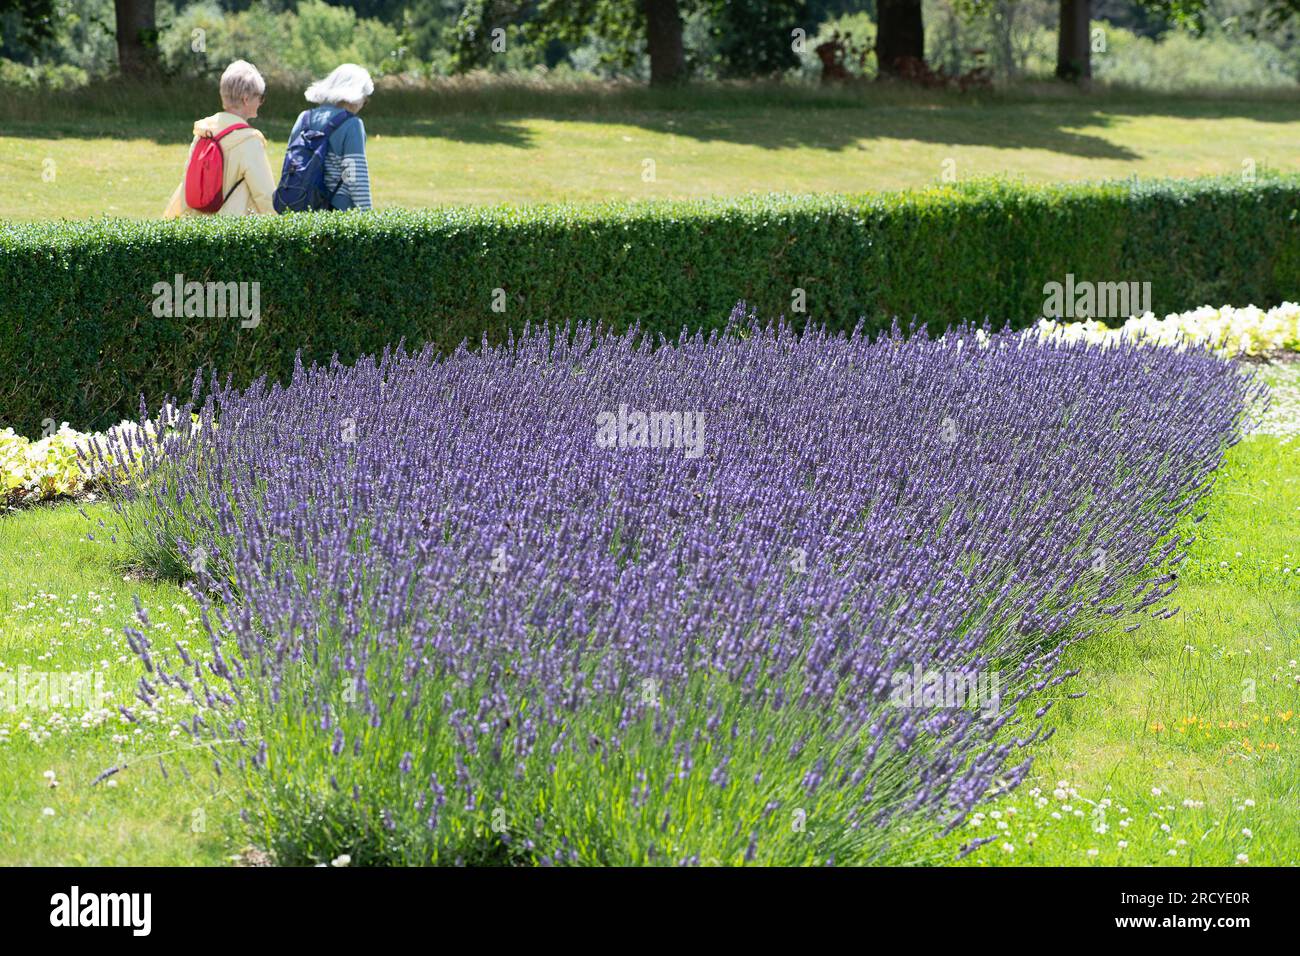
(79, 340)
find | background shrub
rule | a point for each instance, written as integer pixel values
(79, 341)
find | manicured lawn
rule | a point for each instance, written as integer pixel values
(64, 601)
(1191, 726)
(1191, 723)
(123, 154)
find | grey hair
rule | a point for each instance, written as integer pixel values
(241, 80)
(348, 83)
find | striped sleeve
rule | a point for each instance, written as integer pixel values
(346, 168)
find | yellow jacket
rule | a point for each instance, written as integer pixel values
(244, 158)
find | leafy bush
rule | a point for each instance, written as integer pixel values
(458, 612)
(1181, 61)
(80, 340)
(44, 77)
(287, 44)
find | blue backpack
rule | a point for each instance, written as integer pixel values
(302, 178)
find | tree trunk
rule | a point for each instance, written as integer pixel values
(663, 21)
(1074, 44)
(137, 37)
(900, 35)
(1004, 23)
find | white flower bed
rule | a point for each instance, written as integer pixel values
(1227, 330)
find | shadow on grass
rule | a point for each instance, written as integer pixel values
(764, 116)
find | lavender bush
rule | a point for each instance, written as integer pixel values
(471, 610)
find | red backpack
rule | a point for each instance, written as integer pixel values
(205, 175)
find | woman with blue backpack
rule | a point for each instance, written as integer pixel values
(325, 164)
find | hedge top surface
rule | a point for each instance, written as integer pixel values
(68, 234)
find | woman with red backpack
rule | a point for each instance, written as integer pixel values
(228, 172)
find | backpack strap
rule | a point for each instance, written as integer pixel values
(238, 183)
(334, 125)
(337, 121)
(216, 137)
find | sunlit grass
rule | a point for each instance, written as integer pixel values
(122, 152)
(1190, 724)
(64, 601)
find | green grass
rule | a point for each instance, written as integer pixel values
(64, 600)
(1193, 723)
(120, 150)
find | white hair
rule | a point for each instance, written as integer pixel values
(348, 83)
(240, 81)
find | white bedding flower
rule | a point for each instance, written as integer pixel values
(1230, 331)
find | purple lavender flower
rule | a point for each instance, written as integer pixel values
(782, 525)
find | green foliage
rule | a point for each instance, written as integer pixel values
(79, 340)
(29, 23)
(44, 77)
(309, 41)
(1179, 60)
(487, 33)
(753, 37)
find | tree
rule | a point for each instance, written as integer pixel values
(1074, 42)
(900, 35)
(751, 37)
(137, 37)
(628, 25)
(1270, 14)
(663, 28)
(756, 37)
(35, 20)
